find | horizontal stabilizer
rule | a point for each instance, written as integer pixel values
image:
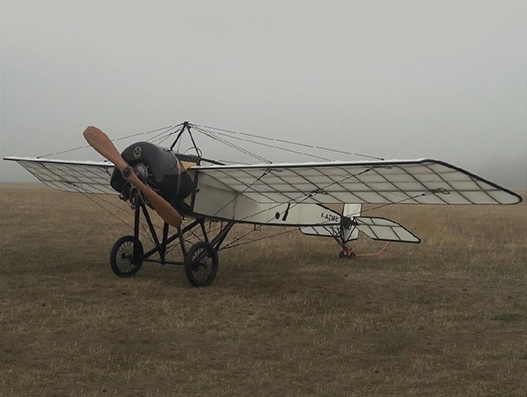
(385, 230)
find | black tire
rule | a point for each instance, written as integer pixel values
(343, 255)
(201, 264)
(126, 256)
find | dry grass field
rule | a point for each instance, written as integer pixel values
(284, 317)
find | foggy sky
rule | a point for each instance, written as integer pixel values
(445, 80)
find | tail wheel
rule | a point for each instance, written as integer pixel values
(126, 256)
(201, 264)
(347, 255)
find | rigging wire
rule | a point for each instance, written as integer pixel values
(240, 193)
(232, 245)
(92, 199)
(164, 135)
(232, 145)
(113, 140)
(143, 233)
(332, 150)
(274, 146)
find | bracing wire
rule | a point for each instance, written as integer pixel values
(93, 200)
(232, 245)
(242, 135)
(113, 140)
(230, 144)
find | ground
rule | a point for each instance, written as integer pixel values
(284, 317)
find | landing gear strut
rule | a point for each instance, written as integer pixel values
(200, 261)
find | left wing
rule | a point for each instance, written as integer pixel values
(421, 181)
(70, 176)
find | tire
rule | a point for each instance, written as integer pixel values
(343, 255)
(201, 264)
(126, 256)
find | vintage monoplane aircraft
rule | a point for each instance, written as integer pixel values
(181, 186)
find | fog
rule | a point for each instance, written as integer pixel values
(443, 80)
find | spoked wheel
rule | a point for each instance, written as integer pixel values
(201, 264)
(126, 256)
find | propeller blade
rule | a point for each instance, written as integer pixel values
(105, 147)
(160, 205)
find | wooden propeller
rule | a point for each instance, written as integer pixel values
(104, 146)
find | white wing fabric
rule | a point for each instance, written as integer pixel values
(375, 228)
(384, 230)
(70, 176)
(421, 181)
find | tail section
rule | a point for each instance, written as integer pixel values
(384, 230)
(341, 228)
(346, 228)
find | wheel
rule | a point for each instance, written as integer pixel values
(201, 264)
(350, 255)
(126, 256)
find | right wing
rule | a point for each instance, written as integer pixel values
(421, 181)
(70, 176)
(240, 191)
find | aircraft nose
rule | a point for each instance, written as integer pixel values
(142, 172)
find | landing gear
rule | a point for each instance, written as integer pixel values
(126, 256)
(346, 253)
(201, 264)
(201, 260)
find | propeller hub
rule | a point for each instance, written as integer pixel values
(142, 172)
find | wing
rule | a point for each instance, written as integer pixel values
(70, 176)
(421, 181)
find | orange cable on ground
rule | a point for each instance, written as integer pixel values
(376, 253)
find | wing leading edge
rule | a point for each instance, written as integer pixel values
(421, 181)
(70, 176)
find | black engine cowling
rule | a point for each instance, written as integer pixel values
(165, 173)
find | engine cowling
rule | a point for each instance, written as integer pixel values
(160, 168)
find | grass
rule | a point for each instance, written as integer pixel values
(284, 317)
